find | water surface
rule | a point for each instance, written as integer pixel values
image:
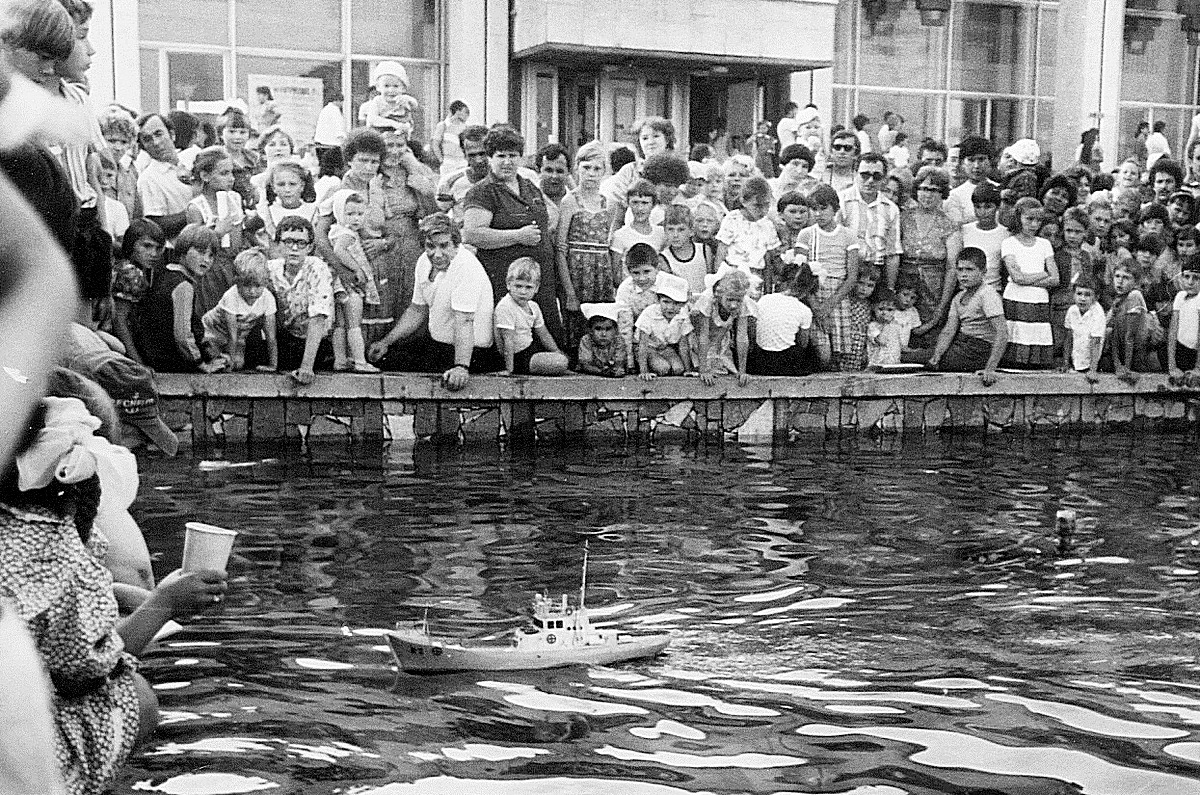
(870, 619)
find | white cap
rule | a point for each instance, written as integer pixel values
(672, 286)
(1026, 152)
(599, 310)
(393, 68)
(697, 170)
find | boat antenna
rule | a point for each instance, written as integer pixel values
(583, 578)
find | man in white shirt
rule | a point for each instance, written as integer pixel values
(975, 156)
(452, 300)
(161, 184)
(331, 124)
(454, 186)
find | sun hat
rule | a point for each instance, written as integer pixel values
(1026, 152)
(392, 68)
(605, 310)
(672, 286)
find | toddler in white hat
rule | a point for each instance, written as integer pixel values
(664, 330)
(394, 107)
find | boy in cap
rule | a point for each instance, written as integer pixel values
(393, 109)
(602, 349)
(664, 330)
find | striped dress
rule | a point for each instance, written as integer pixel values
(1026, 308)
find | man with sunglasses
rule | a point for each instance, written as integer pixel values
(843, 157)
(872, 216)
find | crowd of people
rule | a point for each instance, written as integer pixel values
(814, 250)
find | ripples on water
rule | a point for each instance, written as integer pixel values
(869, 621)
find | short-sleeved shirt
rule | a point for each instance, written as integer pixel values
(706, 305)
(1188, 308)
(660, 331)
(907, 320)
(747, 242)
(989, 242)
(626, 237)
(463, 287)
(512, 211)
(960, 204)
(826, 252)
(875, 223)
(521, 321)
(240, 317)
(161, 191)
(976, 312)
(1084, 327)
(780, 318)
(307, 294)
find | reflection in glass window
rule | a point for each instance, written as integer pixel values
(309, 24)
(193, 76)
(299, 88)
(195, 22)
(405, 27)
(897, 50)
(991, 49)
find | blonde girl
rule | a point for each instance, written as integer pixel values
(289, 191)
(274, 146)
(583, 260)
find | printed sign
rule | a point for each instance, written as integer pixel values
(297, 100)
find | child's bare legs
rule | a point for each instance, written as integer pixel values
(340, 361)
(148, 716)
(356, 349)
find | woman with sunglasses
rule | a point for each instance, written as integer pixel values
(931, 241)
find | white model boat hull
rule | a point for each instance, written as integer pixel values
(423, 654)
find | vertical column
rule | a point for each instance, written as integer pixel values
(1087, 75)
(467, 58)
(115, 75)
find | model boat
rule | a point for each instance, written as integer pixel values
(561, 635)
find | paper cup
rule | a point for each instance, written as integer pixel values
(206, 546)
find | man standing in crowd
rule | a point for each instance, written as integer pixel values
(788, 131)
(453, 188)
(843, 157)
(872, 217)
(553, 165)
(164, 184)
(975, 154)
(892, 123)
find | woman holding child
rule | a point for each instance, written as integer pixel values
(407, 198)
(931, 242)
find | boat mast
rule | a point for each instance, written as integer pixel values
(583, 578)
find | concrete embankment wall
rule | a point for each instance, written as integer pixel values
(261, 407)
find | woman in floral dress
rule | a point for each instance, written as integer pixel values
(583, 243)
(931, 243)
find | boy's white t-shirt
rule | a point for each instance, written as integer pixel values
(747, 241)
(990, 242)
(233, 303)
(907, 320)
(624, 239)
(663, 332)
(1189, 319)
(780, 317)
(521, 322)
(1084, 327)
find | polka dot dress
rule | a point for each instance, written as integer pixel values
(64, 593)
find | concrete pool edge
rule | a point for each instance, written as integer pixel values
(399, 406)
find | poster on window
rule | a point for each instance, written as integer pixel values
(291, 102)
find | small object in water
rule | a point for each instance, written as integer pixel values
(1064, 523)
(562, 635)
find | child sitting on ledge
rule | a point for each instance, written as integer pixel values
(602, 349)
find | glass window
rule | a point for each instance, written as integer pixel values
(422, 84)
(309, 24)
(194, 76)
(407, 28)
(149, 70)
(658, 99)
(195, 22)
(1131, 117)
(624, 109)
(1000, 119)
(299, 89)
(545, 110)
(1158, 66)
(921, 113)
(992, 49)
(577, 110)
(897, 50)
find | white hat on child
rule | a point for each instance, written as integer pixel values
(672, 286)
(697, 170)
(608, 310)
(393, 68)
(1026, 152)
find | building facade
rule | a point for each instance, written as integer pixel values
(577, 70)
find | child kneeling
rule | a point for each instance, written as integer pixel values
(602, 349)
(521, 334)
(244, 309)
(664, 330)
(782, 344)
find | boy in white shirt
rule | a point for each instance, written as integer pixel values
(1085, 324)
(636, 293)
(521, 334)
(1184, 336)
(985, 233)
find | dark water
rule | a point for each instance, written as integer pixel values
(860, 620)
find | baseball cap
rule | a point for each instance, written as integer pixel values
(131, 387)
